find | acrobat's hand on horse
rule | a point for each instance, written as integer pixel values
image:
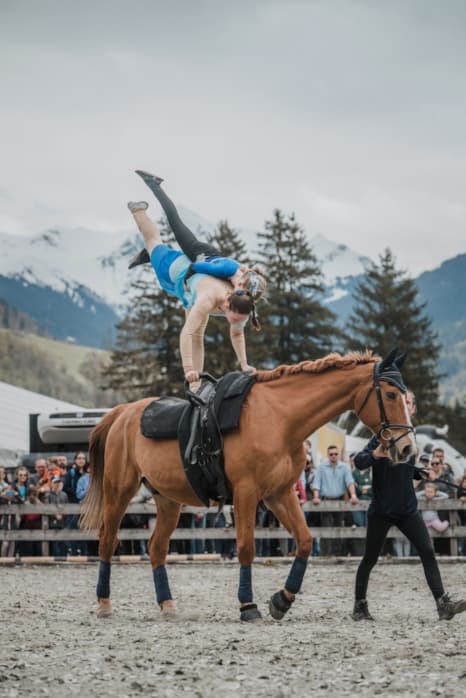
(192, 376)
(249, 369)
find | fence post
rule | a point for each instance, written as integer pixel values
(45, 547)
(453, 517)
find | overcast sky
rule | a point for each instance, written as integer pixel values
(350, 113)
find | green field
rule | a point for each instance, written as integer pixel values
(60, 369)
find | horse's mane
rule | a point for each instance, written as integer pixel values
(326, 363)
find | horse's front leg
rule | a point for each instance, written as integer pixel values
(288, 511)
(168, 513)
(245, 506)
(116, 499)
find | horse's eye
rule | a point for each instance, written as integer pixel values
(391, 396)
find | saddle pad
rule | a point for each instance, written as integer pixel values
(231, 392)
(161, 418)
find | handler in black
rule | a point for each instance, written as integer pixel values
(394, 503)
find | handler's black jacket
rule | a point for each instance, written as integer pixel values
(392, 483)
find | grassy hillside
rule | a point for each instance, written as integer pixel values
(59, 369)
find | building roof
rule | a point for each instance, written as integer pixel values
(16, 404)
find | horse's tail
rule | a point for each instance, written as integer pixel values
(92, 507)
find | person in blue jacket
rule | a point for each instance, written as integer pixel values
(205, 258)
(394, 503)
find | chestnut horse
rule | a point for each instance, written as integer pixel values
(264, 458)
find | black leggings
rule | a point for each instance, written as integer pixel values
(191, 246)
(414, 528)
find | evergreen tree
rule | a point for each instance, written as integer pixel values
(228, 241)
(387, 313)
(219, 356)
(297, 325)
(147, 360)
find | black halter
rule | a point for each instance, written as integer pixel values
(392, 376)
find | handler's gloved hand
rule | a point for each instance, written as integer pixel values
(380, 452)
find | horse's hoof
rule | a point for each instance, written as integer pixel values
(250, 613)
(105, 608)
(279, 605)
(169, 614)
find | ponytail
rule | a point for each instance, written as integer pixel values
(242, 302)
(254, 319)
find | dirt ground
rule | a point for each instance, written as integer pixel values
(52, 644)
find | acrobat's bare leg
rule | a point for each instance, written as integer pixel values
(148, 228)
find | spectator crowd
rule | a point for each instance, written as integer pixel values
(58, 481)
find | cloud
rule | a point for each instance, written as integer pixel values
(351, 114)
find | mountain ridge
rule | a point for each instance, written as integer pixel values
(72, 283)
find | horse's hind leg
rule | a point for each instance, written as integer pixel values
(288, 511)
(168, 513)
(117, 495)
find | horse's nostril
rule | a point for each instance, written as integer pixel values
(406, 452)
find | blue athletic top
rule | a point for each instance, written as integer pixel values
(223, 267)
(187, 290)
(171, 266)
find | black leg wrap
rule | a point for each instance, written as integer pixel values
(250, 612)
(279, 605)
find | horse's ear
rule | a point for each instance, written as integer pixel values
(389, 359)
(399, 361)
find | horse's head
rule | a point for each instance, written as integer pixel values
(383, 408)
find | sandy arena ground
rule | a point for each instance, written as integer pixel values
(52, 644)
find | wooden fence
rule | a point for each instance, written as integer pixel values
(45, 534)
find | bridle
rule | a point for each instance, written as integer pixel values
(394, 378)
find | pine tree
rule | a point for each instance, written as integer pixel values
(219, 355)
(147, 360)
(228, 241)
(297, 325)
(387, 313)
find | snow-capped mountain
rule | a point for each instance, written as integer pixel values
(72, 282)
(70, 260)
(66, 260)
(338, 261)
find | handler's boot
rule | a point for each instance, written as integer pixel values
(149, 177)
(361, 610)
(447, 608)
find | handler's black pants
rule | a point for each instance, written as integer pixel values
(191, 246)
(414, 528)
